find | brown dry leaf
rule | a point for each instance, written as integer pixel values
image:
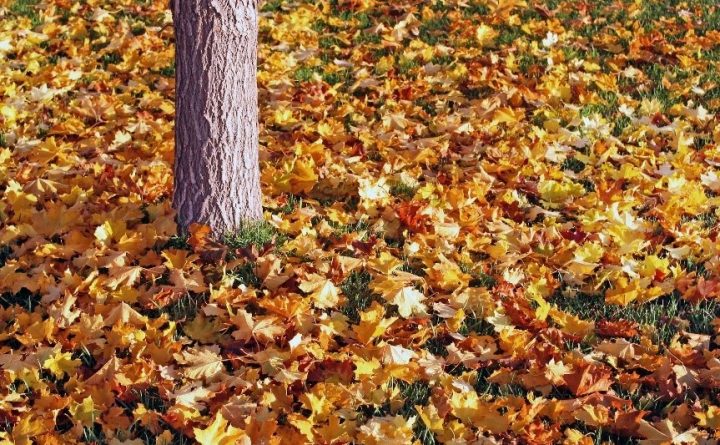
(664, 433)
(588, 378)
(124, 314)
(202, 363)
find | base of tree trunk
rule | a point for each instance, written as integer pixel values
(217, 178)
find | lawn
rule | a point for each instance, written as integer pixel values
(485, 222)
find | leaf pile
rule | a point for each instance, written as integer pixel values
(486, 222)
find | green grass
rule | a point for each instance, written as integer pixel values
(291, 203)
(402, 190)
(708, 220)
(184, 308)
(363, 20)
(426, 106)
(479, 279)
(587, 184)
(573, 164)
(509, 35)
(643, 399)
(601, 436)
(24, 298)
(110, 59)
(439, 6)
(344, 229)
(475, 9)
(168, 71)
(415, 267)
(304, 74)
(364, 38)
(321, 26)
(271, 6)
(701, 141)
(600, 108)
(691, 265)
(138, 29)
(567, 16)
(662, 95)
(416, 393)
(258, 234)
(530, 14)
(21, 387)
(474, 323)
(665, 314)
(93, 435)
(652, 11)
(484, 387)
(528, 63)
(329, 42)
(5, 254)
(437, 346)
(176, 242)
(245, 275)
(621, 123)
(338, 77)
(149, 438)
(479, 92)
(435, 30)
(152, 400)
(443, 60)
(359, 297)
(405, 66)
(711, 20)
(412, 394)
(27, 8)
(85, 356)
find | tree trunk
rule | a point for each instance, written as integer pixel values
(217, 178)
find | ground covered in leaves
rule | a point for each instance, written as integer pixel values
(486, 222)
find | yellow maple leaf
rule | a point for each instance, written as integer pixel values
(385, 263)
(652, 264)
(570, 324)
(555, 192)
(372, 324)
(221, 433)
(318, 404)
(283, 116)
(84, 412)
(409, 301)
(709, 418)
(485, 35)
(323, 292)
(623, 293)
(296, 176)
(575, 437)
(507, 115)
(430, 417)
(9, 113)
(366, 367)
(61, 363)
(27, 430)
(448, 276)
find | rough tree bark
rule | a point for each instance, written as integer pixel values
(217, 178)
